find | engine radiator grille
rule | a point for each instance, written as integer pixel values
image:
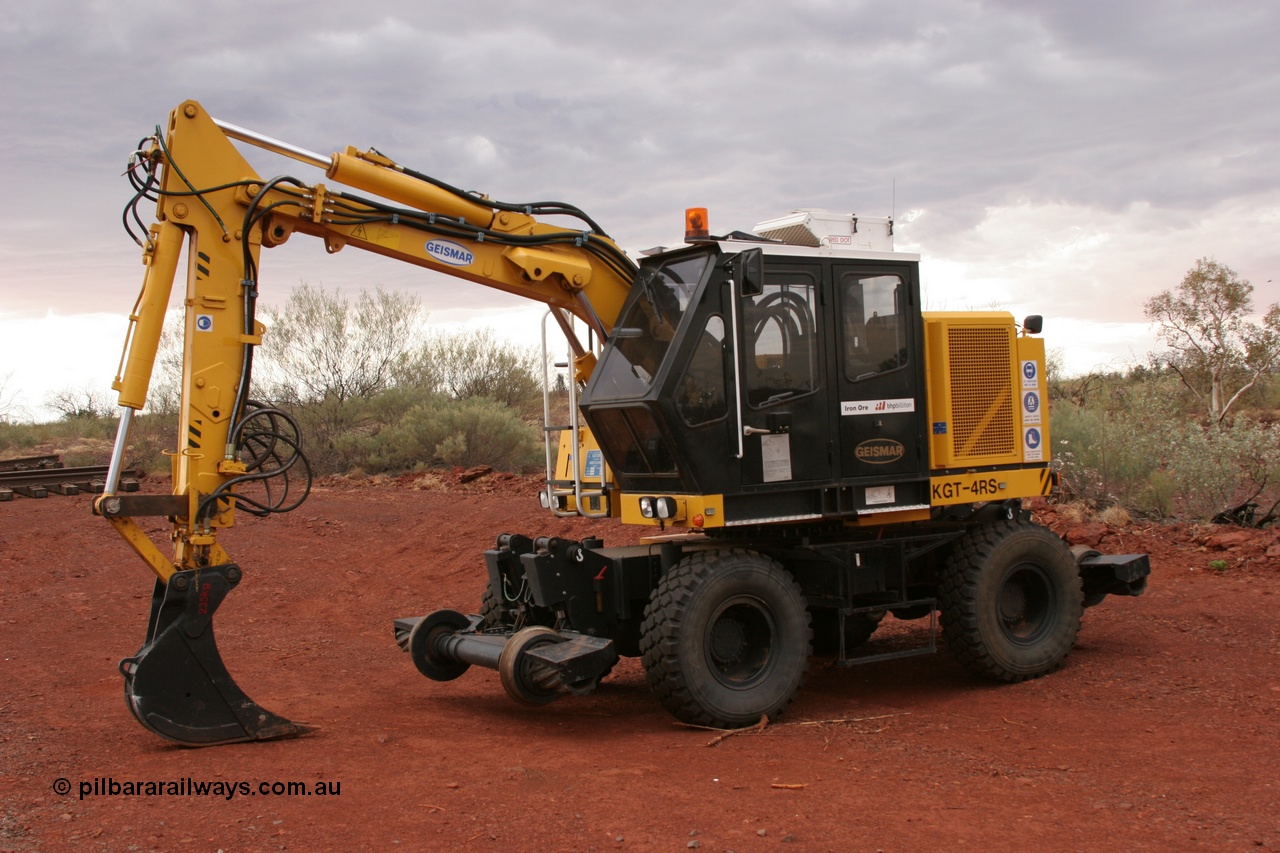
(982, 417)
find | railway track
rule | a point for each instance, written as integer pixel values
(41, 476)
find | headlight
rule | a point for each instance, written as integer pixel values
(646, 507)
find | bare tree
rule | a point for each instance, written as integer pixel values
(464, 365)
(1213, 345)
(321, 347)
(9, 408)
(87, 403)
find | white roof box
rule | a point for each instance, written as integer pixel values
(817, 228)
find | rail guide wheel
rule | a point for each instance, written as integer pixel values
(525, 679)
(422, 645)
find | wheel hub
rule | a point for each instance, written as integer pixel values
(727, 641)
(1013, 604)
(739, 642)
(1026, 604)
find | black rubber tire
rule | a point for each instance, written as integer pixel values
(725, 639)
(858, 628)
(497, 613)
(492, 613)
(1011, 601)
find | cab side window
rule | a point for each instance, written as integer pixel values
(780, 341)
(701, 396)
(874, 325)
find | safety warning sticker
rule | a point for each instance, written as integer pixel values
(1030, 407)
(1030, 374)
(594, 466)
(1032, 441)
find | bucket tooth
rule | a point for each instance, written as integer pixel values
(177, 685)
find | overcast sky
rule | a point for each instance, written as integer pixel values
(1063, 158)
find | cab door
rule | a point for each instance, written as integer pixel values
(784, 411)
(879, 380)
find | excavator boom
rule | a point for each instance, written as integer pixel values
(211, 204)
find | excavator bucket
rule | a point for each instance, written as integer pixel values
(177, 685)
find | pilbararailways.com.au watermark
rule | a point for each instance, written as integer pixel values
(109, 786)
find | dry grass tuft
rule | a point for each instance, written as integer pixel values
(429, 482)
(1074, 513)
(1115, 516)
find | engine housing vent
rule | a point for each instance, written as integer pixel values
(971, 363)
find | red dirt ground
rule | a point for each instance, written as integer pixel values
(1161, 733)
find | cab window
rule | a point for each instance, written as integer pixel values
(874, 325)
(779, 340)
(701, 394)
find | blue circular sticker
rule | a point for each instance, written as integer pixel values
(1033, 438)
(1029, 370)
(203, 322)
(1031, 401)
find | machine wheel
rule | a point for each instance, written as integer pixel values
(1011, 601)
(495, 612)
(422, 645)
(525, 681)
(725, 638)
(858, 628)
(492, 613)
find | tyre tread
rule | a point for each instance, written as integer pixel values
(958, 597)
(659, 640)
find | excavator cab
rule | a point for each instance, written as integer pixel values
(775, 379)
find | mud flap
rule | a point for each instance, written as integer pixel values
(177, 685)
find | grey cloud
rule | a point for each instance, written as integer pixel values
(635, 111)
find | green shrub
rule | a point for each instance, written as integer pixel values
(1159, 493)
(151, 438)
(80, 441)
(1142, 451)
(477, 364)
(1108, 455)
(446, 432)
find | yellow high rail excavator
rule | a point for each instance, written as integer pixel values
(811, 450)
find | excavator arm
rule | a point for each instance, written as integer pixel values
(212, 204)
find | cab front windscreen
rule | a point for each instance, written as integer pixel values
(644, 333)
